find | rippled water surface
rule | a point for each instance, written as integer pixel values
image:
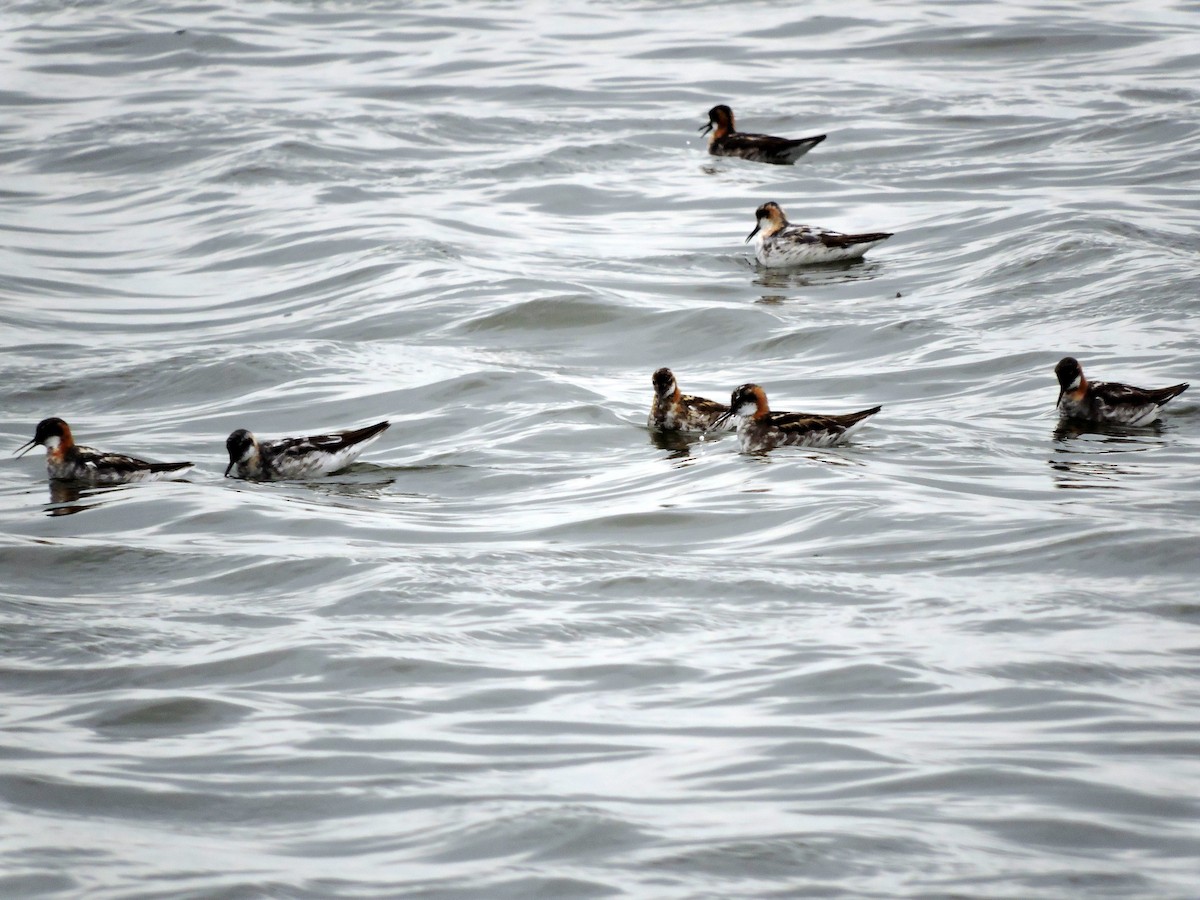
(525, 647)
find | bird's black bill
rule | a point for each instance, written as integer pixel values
(720, 422)
(752, 234)
(25, 447)
(229, 468)
(705, 129)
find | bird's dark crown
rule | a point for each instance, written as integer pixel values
(720, 113)
(664, 381)
(238, 443)
(768, 210)
(747, 393)
(50, 428)
(1067, 370)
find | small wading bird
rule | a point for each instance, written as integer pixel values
(726, 140)
(297, 457)
(68, 461)
(760, 430)
(778, 243)
(674, 411)
(1108, 401)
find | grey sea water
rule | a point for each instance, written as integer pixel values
(524, 647)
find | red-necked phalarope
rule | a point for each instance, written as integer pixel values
(725, 140)
(297, 457)
(780, 243)
(760, 429)
(68, 461)
(675, 411)
(1107, 401)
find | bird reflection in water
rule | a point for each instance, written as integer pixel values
(679, 443)
(65, 497)
(362, 480)
(1085, 470)
(815, 276)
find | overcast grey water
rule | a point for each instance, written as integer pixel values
(525, 647)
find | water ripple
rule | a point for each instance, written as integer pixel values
(525, 646)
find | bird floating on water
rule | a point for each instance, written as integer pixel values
(760, 430)
(672, 410)
(297, 457)
(778, 243)
(68, 461)
(1108, 401)
(726, 140)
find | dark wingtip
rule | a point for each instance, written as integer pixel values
(366, 433)
(170, 467)
(1175, 390)
(720, 422)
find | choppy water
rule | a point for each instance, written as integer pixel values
(524, 649)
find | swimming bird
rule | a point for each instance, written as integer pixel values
(726, 140)
(780, 243)
(1108, 401)
(297, 457)
(674, 411)
(68, 461)
(760, 430)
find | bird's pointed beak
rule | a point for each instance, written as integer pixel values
(753, 233)
(229, 468)
(706, 128)
(719, 423)
(25, 448)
